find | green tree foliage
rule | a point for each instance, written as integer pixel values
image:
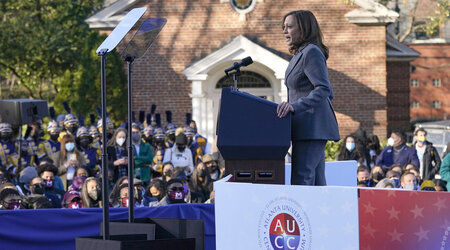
(48, 52)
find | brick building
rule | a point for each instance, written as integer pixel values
(183, 70)
(430, 82)
(430, 73)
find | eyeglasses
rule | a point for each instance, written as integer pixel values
(177, 189)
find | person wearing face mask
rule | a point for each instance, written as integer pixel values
(37, 147)
(170, 130)
(196, 151)
(123, 200)
(26, 175)
(154, 192)
(363, 176)
(167, 172)
(36, 186)
(394, 176)
(199, 140)
(180, 155)
(147, 135)
(87, 151)
(118, 153)
(408, 181)
(109, 129)
(143, 155)
(160, 150)
(47, 173)
(201, 183)
(430, 161)
(72, 200)
(10, 199)
(68, 159)
(91, 194)
(55, 146)
(376, 175)
(8, 154)
(174, 194)
(374, 149)
(70, 126)
(212, 166)
(397, 152)
(349, 151)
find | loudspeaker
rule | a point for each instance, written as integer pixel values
(22, 111)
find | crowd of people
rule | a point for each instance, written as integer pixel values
(171, 164)
(415, 167)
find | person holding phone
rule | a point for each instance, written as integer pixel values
(118, 154)
(68, 159)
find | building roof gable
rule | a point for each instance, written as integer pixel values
(235, 50)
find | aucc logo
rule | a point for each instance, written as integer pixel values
(283, 225)
(284, 232)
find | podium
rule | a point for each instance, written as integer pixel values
(252, 139)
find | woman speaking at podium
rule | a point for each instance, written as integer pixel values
(309, 98)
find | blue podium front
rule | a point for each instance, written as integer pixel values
(251, 137)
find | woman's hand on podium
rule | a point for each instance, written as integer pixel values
(283, 109)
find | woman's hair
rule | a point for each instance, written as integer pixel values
(385, 183)
(88, 170)
(63, 153)
(158, 184)
(115, 192)
(112, 141)
(309, 31)
(196, 184)
(440, 183)
(6, 175)
(85, 199)
(36, 201)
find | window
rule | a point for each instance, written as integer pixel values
(243, 6)
(247, 79)
(419, 30)
(436, 82)
(415, 104)
(414, 83)
(436, 104)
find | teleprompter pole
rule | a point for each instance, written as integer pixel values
(129, 60)
(103, 54)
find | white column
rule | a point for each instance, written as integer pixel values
(197, 100)
(283, 91)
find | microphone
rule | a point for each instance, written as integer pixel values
(245, 62)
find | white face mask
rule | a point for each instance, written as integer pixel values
(120, 141)
(390, 142)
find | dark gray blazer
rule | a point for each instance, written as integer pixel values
(310, 94)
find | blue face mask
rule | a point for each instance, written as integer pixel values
(350, 146)
(70, 146)
(396, 182)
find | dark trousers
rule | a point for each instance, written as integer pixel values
(308, 163)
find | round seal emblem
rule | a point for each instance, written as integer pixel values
(284, 225)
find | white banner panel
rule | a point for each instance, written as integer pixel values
(260, 216)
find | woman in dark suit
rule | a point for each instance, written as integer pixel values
(309, 98)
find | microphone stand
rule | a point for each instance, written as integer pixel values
(235, 78)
